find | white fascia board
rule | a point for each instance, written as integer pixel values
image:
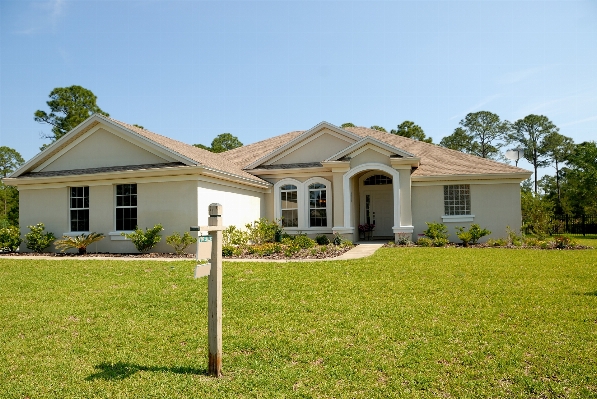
(373, 141)
(486, 178)
(235, 178)
(302, 137)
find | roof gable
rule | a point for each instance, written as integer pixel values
(370, 143)
(304, 139)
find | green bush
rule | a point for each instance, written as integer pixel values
(338, 240)
(290, 250)
(513, 238)
(440, 242)
(266, 249)
(322, 239)
(180, 243)
(80, 242)
(37, 240)
(346, 243)
(227, 250)
(474, 233)
(436, 230)
(144, 241)
(234, 236)
(262, 230)
(425, 242)
(10, 238)
(499, 242)
(304, 242)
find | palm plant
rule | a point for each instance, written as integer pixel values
(80, 242)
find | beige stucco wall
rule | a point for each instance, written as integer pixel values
(100, 149)
(316, 150)
(369, 156)
(495, 206)
(48, 206)
(173, 204)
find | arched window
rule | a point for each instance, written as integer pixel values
(377, 180)
(289, 205)
(318, 205)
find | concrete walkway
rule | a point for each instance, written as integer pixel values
(362, 250)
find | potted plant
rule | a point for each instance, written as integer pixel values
(367, 230)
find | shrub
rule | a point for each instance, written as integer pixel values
(37, 240)
(403, 239)
(266, 249)
(513, 238)
(338, 240)
(144, 241)
(304, 242)
(436, 230)
(474, 233)
(425, 242)
(227, 250)
(500, 242)
(10, 238)
(346, 243)
(440, 242)
(263, 230)
(180, 243)
(234, 236)
(291, 250)
(80, 242)
(322, 239)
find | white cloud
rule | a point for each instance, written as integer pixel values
(42, 16)
(476, 107)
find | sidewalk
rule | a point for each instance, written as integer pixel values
(362, 250)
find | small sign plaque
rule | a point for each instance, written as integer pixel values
(202, 270)
(204, 238)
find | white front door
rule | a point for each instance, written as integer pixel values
(377, 207)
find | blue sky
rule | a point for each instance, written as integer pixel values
(191, 70)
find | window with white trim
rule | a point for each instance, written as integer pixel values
(457, 199)
(79, 209)
(126, 207)
(318, 205)
(289, 205)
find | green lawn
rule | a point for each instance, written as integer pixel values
(406, 322)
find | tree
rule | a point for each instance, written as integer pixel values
(488, 133)
(460, 140)
(579, 186)
(558, 147)
(410, 130)
(10, 160)
(347, 124)
(221, 143)
(69, 106)
(381, 129)
(530, 132)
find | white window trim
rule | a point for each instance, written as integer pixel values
(303, 204)
(328, 203)
(458, 218)
(75, 233)
(117, 232)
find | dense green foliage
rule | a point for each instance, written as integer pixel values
(10, 160)
(37, 240)
(10, 238)
(145, 240)
(180, 242)
(412, 131)
(222, 142)
(473, 235)
(404, 323)
(80, 242)
(437, 233)
(69, 106)
(481, 133)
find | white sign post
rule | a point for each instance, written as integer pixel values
(214, 288)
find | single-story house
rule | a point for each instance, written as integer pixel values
(108, 177)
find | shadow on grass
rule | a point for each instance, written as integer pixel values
(121, 370)
(591, 293)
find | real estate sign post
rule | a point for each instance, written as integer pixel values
(214, 288)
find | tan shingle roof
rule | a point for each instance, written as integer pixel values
(435, 160)
(199, 155)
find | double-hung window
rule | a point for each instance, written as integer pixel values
(126, 207)
(289, 205)
(317, 205)
(79, 209)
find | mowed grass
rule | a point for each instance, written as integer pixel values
(406, 322)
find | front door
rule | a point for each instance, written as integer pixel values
(377, 207)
